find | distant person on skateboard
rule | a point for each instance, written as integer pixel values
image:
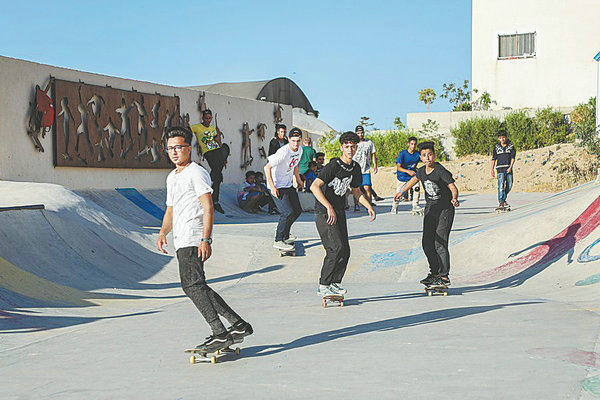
(441, 196)
(503, 159)
(281, 168)
(406, 168)
(190, 215)
(214, 152)
(330, 189)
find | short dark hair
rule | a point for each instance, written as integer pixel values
(410, 139)
(207, 111)
(312, 163)
(295, 132)
(257, 173)
(349, 137)
(359, 128)
(319, 154)
(502, 132)
(426, 145)
(279, 126)
(250, 173)
(180, 131)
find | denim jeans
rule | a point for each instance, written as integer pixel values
(289, 206)
(505, 181)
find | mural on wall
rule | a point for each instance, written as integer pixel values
(111, 126)
(41, 115)
(261, 131)
(277, 114)
(246, 146)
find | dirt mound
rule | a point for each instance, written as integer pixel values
(549, 169)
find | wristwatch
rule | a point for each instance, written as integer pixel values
(207, 240)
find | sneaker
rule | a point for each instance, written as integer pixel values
(273, 212)
(290, 240)
(283, 246)
(239, 330)
(356, 208)
(506, 205)
(427, 280)
(337, 288)
(439, 282)
(325, 291)
(445, 280)
(395, 209)
(218, 208)
(378, 198)
(417, 209)
(216, 342)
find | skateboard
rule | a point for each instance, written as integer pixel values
(198, 355)
(416, 212)
(434, 290)
(502, 209)
(332, 299)
(287, 252)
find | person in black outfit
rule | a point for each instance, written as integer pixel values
(279, 140)
(441, 196)
(503, 159)
(330, 189)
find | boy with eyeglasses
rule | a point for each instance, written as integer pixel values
(190, 215)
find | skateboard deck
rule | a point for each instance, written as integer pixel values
(287, 252)
(502, 209)
(197, 355)
(434, 290)
(333, 299)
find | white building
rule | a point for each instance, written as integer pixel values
(535, 53)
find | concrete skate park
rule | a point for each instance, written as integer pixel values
(91, 309)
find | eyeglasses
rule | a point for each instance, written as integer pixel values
(176, 148)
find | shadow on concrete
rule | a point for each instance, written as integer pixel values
(429, 317)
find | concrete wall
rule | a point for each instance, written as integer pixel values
(20, 162)
(451, 119)
(563, 72)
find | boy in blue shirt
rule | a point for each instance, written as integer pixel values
(311, 175)
(406, 165)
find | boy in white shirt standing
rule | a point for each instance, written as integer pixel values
(281, 168)
(190, 215)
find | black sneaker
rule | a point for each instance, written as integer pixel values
(219, 208)
(445, 280)
(216, 342)
(239, 330)
(428, 280)
(439, 282)
(378, 198)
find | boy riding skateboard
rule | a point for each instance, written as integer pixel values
(330, 189)
(503, 159)
(441, 197)
(190, 215)
(281, 168)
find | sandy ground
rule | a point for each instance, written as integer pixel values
(549, 169)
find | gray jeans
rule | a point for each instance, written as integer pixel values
(206, 300)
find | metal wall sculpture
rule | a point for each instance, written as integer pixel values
(246, 146)
(41, 115)
(111, 128)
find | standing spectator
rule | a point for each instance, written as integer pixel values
(279, 140)
(320, 159)
(308, 155)
(365, 153)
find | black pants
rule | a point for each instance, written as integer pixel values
(337, 247)
(216, 162)
(289, 206)
(437, 223)
(206, 300)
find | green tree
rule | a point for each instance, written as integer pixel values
(429, 128)
(459, 96)
(484, 101)
(365, 122)
(583, 122)
(427, 96)
(399, 124)
(329, 144)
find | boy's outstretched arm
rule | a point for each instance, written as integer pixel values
(407, 186)
(454, 191)
(363, 200)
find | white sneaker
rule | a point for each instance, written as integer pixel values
(337, 288)
(290, 240)
(283, 246)
(325, 291)
(417, 209)
(395, 208)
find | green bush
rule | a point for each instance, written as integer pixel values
(478, 135)
(387, 145)
(583, 123)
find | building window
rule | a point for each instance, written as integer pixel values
(518, 45)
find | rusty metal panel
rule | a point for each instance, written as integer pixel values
(102, 127)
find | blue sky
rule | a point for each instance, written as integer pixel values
(351, 58)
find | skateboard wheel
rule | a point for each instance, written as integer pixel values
(213, 360)
(324, 303)
(429, 293)
(217, 352)
(193, 360)
(280, 254)
(342, 303)
(445, 293)
(237, 351)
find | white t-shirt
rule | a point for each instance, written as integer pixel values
(183, 190)
(283, 162)
(364, 150)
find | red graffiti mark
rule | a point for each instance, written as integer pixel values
(570, 355)
(551, 249)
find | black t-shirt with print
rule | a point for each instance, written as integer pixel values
(503, 156)
(436, 186)
(338, 178)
